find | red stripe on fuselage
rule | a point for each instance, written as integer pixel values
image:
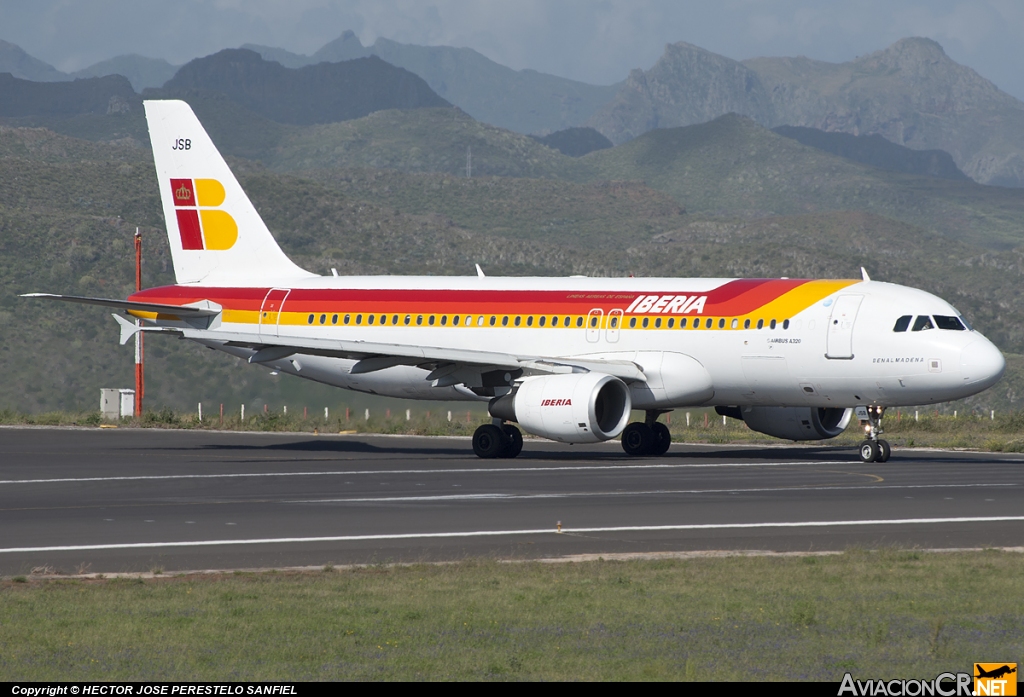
(737, 297)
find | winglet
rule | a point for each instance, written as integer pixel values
(128, 328)
(479, 271)
(864, 274)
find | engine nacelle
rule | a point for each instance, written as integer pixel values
(576, 408)
(793, 423)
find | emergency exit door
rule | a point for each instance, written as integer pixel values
(840, 327)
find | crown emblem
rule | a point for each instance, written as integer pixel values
(182, 193)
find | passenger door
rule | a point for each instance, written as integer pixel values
(270, 312)
(840, 327)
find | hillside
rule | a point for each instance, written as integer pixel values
(14, 60)
(525, 101)
(878, 152)
(423, 140)
(911, 93)
(321, 93)
(142, 72)
(575, 142)
(732, 166)
(99, 95)
(68, 209)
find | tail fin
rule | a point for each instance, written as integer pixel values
(215, 233)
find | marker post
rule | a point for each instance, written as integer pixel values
(140, 383)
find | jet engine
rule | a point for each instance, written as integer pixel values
(576, 408)
(792, 423)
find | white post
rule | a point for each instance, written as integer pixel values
(243, 412)
(200, 411)
(449, 417)
(993, 414)
(917, 415)
(954, 413)
(366, 415)
(687, 419)
(327, 414)
(285, 407)
(723, 420)
(408, 414)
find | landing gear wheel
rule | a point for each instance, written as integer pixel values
(662, 439)
(869, 451)
(513, 441)
(488, 441)
(884, 451)
(637, 439)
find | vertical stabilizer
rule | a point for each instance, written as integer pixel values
(216, 235)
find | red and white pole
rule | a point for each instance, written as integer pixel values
(140, 384)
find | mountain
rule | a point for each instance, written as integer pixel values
(733, 166)
(97, 95)
(321, 93)
(15, 61)
(687, 85)
(876, 151)
(911, 93)
(142, 72)
(575, 142)
(525, 101)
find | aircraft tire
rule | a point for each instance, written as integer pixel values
(488, 441)
(884, 451)
(514, 441)
(662, 439)
(637, 439)
(869, 451)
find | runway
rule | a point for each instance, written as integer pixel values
(76, 500)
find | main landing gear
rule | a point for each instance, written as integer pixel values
(648, 438)
(874, 449)
(497, 440)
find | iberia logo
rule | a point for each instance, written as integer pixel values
(201, 224)
(995, 679)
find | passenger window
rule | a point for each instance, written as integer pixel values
(734, 324)
(645, 322)
(480, 321)
(554, 321)
(529, 321)
(707, 323)
(455, 320)
(383, 319)
(369, 319)
(947, 322)
(902, 323)
(444, 320)
(657, 323)
(772, 325)
(721, 323)
(615, 322)
(408, 318)
(542, 320)
(493, 320)
(334, 319)
(359, 319)
(394, 319)
(593, 321)
(671, 322)
(682, 323)
(309, 320)
(419, 319)
(922, 322)
(760, 324)
(579, 322)
(746, 324)
(518, 320)
(632, 322)
(430, 320)
(348, 318)
(504, 321)
(785, 324)
(323, 319)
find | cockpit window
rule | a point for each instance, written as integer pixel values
(947, 322)
(902, 323)
(923, 322)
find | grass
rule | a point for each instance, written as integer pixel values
(924, 427)
(893, 613)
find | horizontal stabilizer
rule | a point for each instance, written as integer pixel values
(203, 308)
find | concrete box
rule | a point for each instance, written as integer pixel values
(117, 403)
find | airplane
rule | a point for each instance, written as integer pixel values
(566, 359)
(995, 672)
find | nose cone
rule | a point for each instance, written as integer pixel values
(981, 364)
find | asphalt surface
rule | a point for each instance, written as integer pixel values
(137, 500)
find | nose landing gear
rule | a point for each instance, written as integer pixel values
(874, 449)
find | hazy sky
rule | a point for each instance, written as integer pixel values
(592, 40)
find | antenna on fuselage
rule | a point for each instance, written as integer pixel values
(864, 274)
(479, 271)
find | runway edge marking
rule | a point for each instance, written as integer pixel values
(512, 533)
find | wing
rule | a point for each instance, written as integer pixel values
(204, 308)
